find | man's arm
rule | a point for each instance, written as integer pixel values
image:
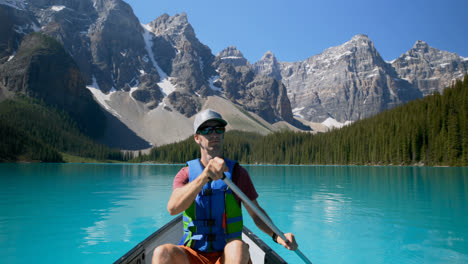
(182, 197)
(292, 245)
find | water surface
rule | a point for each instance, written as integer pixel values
(94, 213)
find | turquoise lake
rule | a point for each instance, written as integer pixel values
(95, 213)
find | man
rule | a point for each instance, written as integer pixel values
(212, 214)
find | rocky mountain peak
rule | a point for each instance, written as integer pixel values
(359, 43)
(430, 69)
(421, 46)
(230, 51)
(268, 65)
(346, 82)
(232, 55)
(422, 50)
(104, 5)
(180, 54)
(173, 26)
(268, 56)
(181, 18)
(361, 37)
(356, 55)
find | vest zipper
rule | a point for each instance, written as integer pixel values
(210, 243)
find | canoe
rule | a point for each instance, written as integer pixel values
(172, 233)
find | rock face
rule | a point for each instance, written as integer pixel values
(348, 82)
(44, 70)
(269, 65)
(105, 39)
(184, 59)
(352, 81)
(429, 69)
(15, 22)
(260, 93)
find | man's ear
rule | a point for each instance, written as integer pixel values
(195, 137)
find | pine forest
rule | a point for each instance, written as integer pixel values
(432, 131)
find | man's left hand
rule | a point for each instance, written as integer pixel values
(292, 245)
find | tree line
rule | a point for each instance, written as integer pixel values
(30, 130)
(431, 131)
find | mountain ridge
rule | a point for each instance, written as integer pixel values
(355, 74)
(144, 75)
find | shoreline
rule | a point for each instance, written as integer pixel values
(419, 165)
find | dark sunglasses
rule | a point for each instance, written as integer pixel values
(209, 130)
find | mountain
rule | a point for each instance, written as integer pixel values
(352, 81)
(148, 76)
(42, 69)
(151, 79)
(184, 59)
(260, 94)
(430, 69)
(348, 82)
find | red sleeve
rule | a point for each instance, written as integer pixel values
(242, 179)
(181, 178)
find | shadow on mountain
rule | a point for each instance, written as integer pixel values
(118, 135)
(300, 125)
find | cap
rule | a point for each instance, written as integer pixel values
(207, 115)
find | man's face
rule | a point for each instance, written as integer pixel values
(212, 141)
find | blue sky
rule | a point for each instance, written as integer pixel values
(297, 29)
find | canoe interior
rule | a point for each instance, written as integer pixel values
(172, 233)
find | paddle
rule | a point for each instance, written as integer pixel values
(262, 216)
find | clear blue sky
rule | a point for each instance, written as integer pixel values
(297, 29)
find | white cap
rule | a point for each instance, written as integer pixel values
(205, 116)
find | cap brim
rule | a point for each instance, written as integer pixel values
(222, 121)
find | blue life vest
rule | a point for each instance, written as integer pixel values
(215, 217)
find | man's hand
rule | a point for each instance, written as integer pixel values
(215, 169)
(292, 245)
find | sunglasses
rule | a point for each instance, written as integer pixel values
(209, 130)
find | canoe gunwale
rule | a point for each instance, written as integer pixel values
(142, 244)
(270, 255)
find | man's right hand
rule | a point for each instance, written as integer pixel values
(215, 169)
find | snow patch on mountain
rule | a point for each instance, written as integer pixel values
(165, 82)
(232, 58)
(297, 112)
(103, 98)
(148, 37)
(212, 86)
(166, 86)
(57, 8)
(332, 123)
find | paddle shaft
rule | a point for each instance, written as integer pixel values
(262, 216)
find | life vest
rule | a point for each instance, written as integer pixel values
(215, 217)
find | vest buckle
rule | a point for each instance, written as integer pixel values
(209, 222)
(207, 192)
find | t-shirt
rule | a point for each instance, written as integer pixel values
(240, 177)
